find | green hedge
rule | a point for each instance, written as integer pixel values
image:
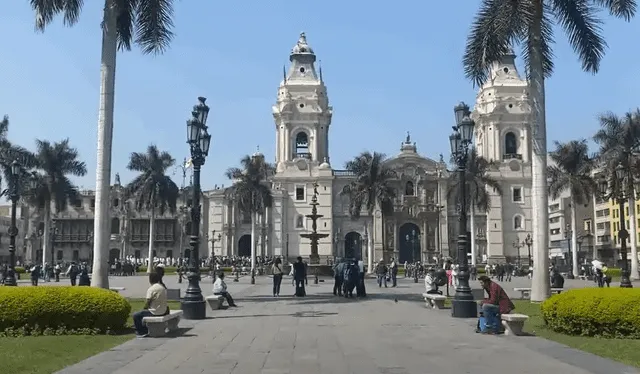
(20, 270)
(602, 312)
(61, 310)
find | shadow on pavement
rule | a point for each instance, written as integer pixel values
(302, 314)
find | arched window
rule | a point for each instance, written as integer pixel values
(302, 145)
(518, 223)
(510, 144)
(408, 189)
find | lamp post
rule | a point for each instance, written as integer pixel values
(517, 245)
(567, 235)
(463, 304)
(53, 231)
(193, 304)
(528, 241)
(10, 279)
(623, 234)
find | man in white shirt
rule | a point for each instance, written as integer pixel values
(220, 288)
(155, 305)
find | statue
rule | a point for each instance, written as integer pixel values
(118, 179)
(408, 138)
(441, 158)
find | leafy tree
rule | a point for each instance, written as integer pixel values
(498, 25)
(152, 190)
(371, 187)
(147, 23)
(250, 191)
(572, 171)
(478, 179)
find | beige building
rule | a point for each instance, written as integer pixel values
(73, 236)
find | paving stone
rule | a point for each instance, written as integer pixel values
(326, 334)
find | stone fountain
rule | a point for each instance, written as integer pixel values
(314, 259)
(313, 236)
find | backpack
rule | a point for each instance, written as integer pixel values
(441, 278)
(348, 273)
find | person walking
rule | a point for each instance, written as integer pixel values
(276, 270)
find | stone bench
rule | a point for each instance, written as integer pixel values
(117, 289)
(158, 325)
(434, 301)
(513, 323)
(215, 301)
(526, 292)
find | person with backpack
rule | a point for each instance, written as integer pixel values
(72, 272)
(349, 279)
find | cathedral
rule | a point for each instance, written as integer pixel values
(421, 227)
(423, 224)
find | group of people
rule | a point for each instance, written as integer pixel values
(348, 276)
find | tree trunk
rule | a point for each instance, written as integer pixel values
(152, 229)
(539, 192)
(385, 249)
(574, 238)
(46, 242)
(472, 228)
(633, 237)
(102, 218)
(253, 241)
(370, 240)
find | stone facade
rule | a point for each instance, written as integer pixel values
(423, 224)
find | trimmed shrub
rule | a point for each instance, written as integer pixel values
(171, 270)
(61, 310)
(602, 312)
(20, 270)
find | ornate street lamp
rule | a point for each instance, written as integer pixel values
(463, 303)
(623, 234)
(10, 279)
(517, 245)
(193, 304)
(528, 241)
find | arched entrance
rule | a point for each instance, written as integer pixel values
(244, 246)
(353, 245)
(409, 240)
(114, 255)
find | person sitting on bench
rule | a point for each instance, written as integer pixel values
(220, 288)
(430, 283)
(155, 305)
(496, 304)
(557, 280)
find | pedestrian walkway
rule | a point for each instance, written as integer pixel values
(390, 332)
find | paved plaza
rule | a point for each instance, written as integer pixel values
(389, 332)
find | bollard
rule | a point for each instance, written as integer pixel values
(415, 277)
(253, 276)
(315, 277)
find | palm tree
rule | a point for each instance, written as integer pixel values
(477, 180)
(10, 152)
(370, 189)
(571, 170)
(152, 190)
(147, 23)
(251, 192)
(51, 184)
(499, 24)
(619, 141)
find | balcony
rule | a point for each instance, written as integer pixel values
(303, 155)
(512, 156)
(158, 238)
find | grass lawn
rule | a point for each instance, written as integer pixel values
(625, 351)
(48, 354)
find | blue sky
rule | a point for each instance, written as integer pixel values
(390, 67)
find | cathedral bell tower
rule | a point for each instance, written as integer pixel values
(302, 113)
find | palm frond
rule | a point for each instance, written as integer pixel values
(250, 187)
(47, 10)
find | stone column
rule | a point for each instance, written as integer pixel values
(424, 242)
(396, 240)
